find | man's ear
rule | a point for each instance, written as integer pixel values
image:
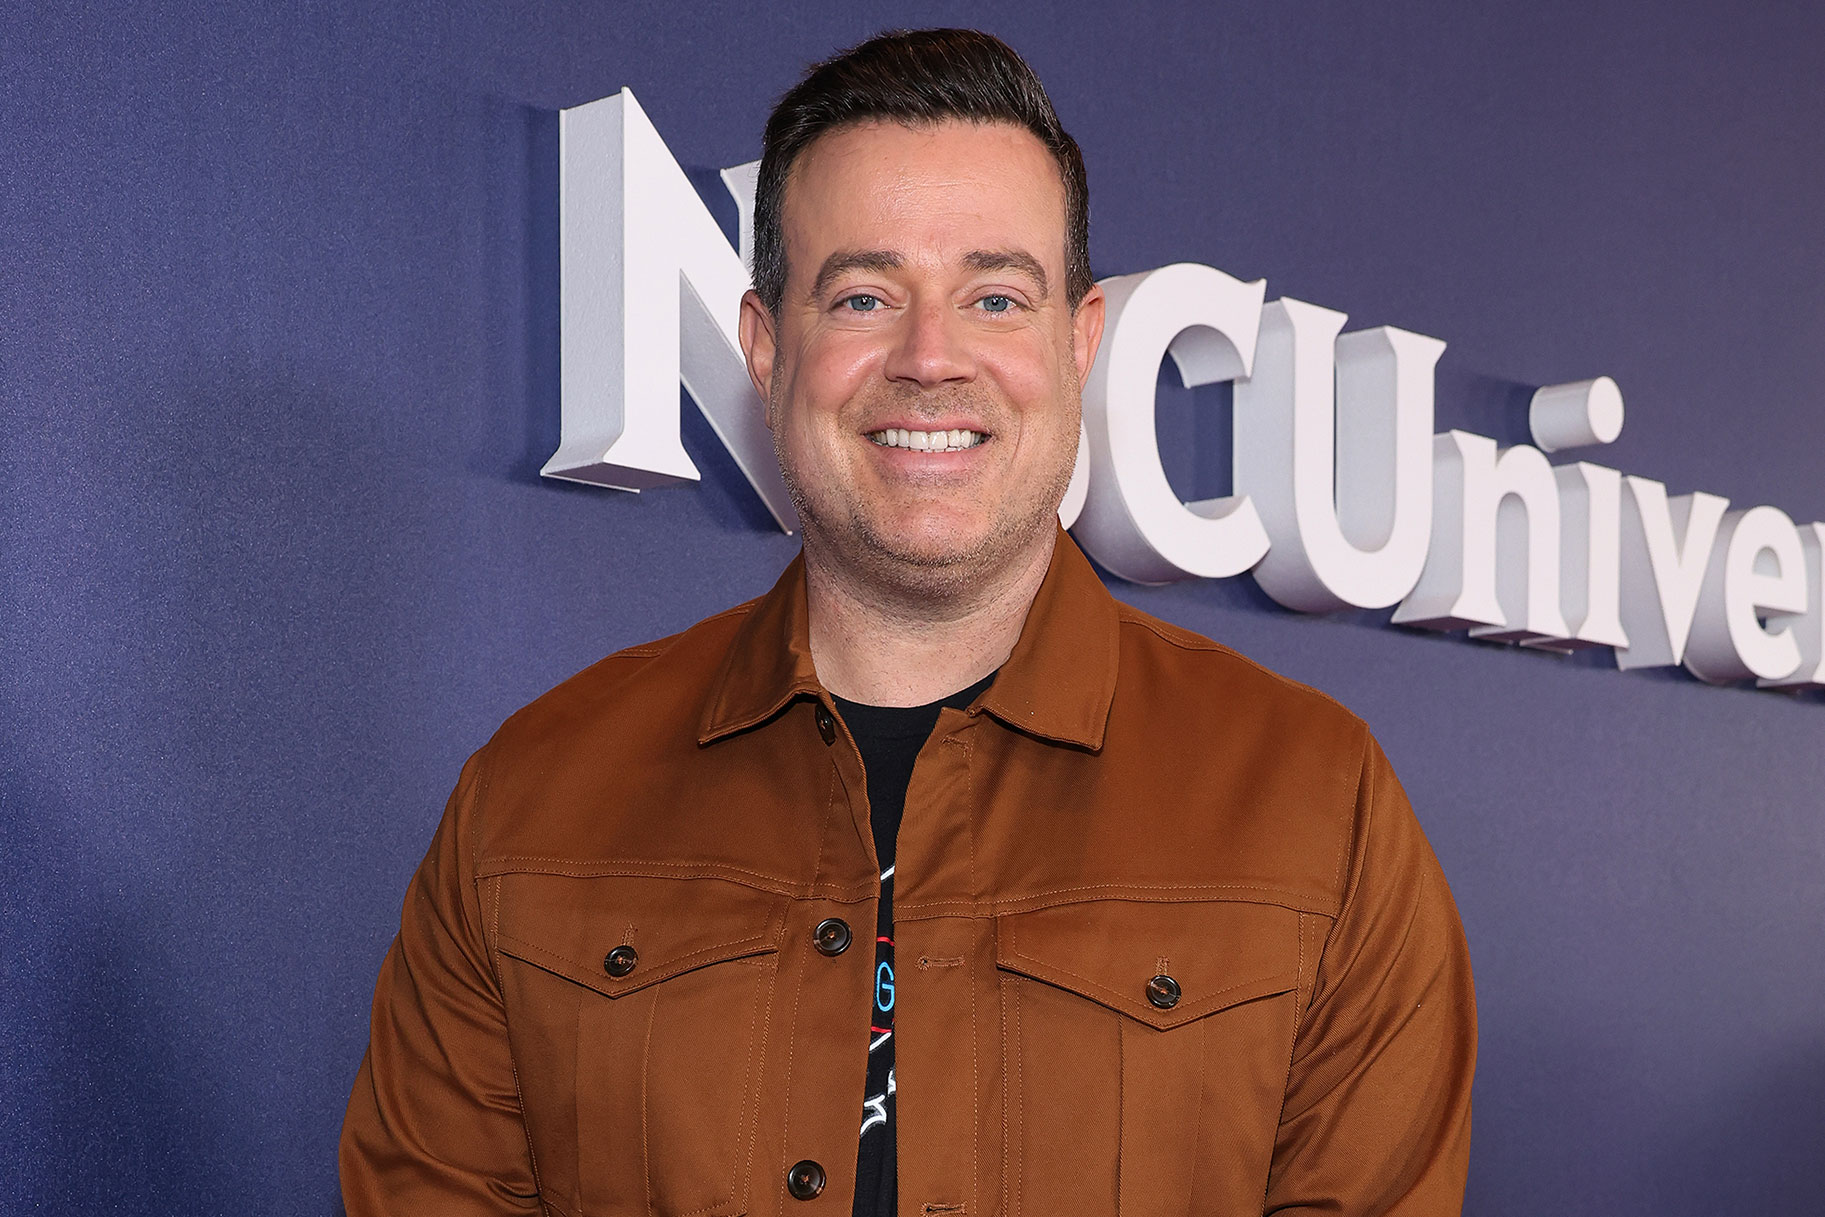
(1087, 330)
(758, 347)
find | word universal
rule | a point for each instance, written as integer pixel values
(1343, 495)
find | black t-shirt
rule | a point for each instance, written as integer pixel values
(889, 738)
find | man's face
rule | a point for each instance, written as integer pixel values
(923, 373)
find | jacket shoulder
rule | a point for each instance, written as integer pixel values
(651, 679)
(1227, 682)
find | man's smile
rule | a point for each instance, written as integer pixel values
(954, 440)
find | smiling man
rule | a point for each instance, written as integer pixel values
(1156, 930)
(921, 359)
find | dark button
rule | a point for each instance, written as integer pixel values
(826, 727)
(1163, 991)
(805, 1180)
(620, 961)
(832, 936)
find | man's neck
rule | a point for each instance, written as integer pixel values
(915, 647)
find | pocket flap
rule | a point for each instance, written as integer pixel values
(568, 926)
(1219, 953)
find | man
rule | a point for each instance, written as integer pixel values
(1168, 938)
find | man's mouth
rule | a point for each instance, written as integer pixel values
(955, 440)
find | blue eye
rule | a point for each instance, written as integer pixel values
(861, 303)
(996, 304)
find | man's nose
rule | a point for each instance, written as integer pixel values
(931, 346)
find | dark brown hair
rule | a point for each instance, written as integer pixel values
(919, 78)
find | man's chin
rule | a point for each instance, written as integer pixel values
(926, 551)
(943, 549)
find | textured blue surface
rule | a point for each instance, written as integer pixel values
(276, 373)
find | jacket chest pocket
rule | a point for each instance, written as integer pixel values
(638, 1011)
(1146, 1048)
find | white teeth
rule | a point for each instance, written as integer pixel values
(954, 440)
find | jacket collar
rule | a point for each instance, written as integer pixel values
(768, 663)
(1057, 684)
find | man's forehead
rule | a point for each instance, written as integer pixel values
(966, 142)
(885, 178)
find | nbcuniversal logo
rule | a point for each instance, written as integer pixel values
(1343, 495)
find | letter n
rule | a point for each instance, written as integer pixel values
(1493, 564)
(650, 297)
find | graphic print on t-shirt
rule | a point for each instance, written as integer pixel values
(880, 1088)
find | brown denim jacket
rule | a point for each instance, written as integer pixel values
(1127, 801)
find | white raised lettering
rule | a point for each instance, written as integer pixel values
(1486, 508)
(1333, 442)
(1132, 520)
(1757, 569)
(1590, 588)
(1576, 415)
(650, 295)
(1665, 546)
(1808, 628)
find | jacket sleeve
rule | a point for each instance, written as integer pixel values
(1376, 1118)
(434, 1124)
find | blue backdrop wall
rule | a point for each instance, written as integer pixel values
(277, 359)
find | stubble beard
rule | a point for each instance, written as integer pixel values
(852, 543)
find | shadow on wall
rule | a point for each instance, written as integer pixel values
(1640, 1136)
(109, 1107)
(1756, 1147)
(1485, 405)
(519, 261)
(539, 281)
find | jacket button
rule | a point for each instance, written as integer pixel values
(1163, 992)
(805, 1180)
(620, 961)
(832, 936)
(826, 727)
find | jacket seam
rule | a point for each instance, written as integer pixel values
(513, 1067)
(1009, 1089)
(1367, 792)
(969, 803)
(1123, 1141)
(1199, 1104)
(1197, 642)
(646, 1074)
(511, 864)
(1347, 887)
(756, 1081)
(1088, 893)
(497, 865)
(484, 776)
(659, 646)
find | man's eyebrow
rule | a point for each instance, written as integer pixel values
(845, 260)
(1010, 259)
